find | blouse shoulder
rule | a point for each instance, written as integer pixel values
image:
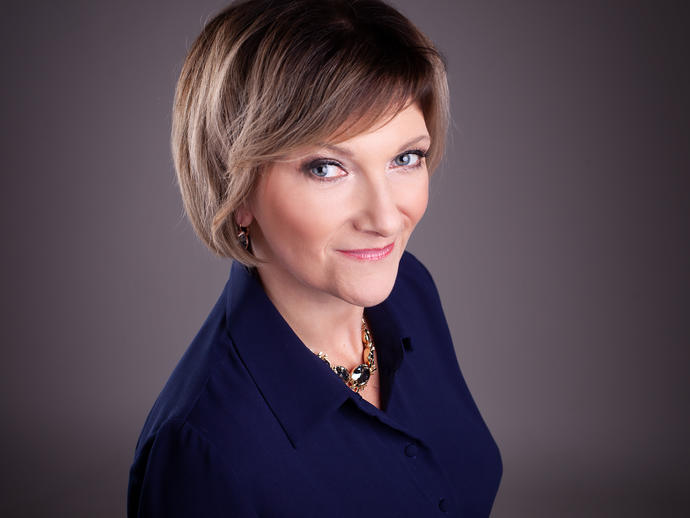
(178, 473)
(177, 460)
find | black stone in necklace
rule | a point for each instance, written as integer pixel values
(358, 378)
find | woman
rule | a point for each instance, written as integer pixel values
(324, 382)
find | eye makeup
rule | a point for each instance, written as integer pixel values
(418, 152)
(310, 165)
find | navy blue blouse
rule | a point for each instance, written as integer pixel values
(252, 424)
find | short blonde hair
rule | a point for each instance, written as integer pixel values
(266, 77)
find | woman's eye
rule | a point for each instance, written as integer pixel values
(324, 170)
(408, 159)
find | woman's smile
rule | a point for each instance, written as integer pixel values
(369, 254)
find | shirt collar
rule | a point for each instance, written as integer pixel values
(298, 387)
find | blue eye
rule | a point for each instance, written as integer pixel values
(324, 170)
(409, 159)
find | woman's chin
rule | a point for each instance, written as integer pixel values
(370, 294)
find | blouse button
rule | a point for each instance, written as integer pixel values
(411, 450)
(443, 505)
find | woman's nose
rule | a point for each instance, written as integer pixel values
(378, 211)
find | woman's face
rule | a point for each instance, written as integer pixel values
(333, 221)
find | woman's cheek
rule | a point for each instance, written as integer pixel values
(414, 196)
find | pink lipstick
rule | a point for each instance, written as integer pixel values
(369, 254)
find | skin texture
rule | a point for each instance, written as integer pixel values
(300, 224)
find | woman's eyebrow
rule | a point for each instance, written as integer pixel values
(414, 141)
(338, 149)
(349, 153)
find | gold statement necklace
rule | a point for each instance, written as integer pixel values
(359, 376)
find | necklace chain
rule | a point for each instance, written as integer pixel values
(358, 378)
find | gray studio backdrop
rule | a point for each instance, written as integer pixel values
(557, 234)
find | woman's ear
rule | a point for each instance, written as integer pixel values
(243, 215)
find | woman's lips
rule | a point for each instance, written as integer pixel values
(369, 254)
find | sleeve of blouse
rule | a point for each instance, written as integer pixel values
(184, 476)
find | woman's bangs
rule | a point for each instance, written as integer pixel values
(377, 96)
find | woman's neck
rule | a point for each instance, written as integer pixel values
(323, 322)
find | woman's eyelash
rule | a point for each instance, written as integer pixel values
(421, 152)
(310, 165)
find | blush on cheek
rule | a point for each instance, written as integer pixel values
(421, 204)
(295, 220)
(416, 199)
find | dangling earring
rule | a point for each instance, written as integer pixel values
(243, 237)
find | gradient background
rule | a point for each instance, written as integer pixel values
(557, 233)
